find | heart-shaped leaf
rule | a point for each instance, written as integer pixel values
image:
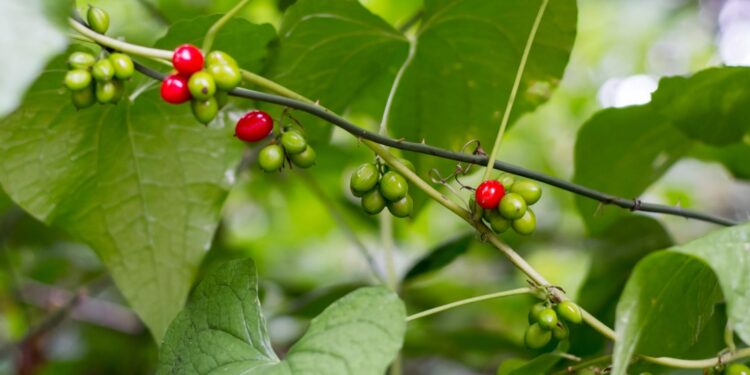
(31, 29)
(223, 331)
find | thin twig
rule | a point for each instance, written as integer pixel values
(467, 301)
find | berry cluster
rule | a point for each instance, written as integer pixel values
(380, 187)
(100, 80)
(544, 323)
(290, 145)
(505, 203)
(204, 81)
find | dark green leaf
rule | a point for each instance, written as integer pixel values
(441, 256)
(335, 51)
(622, 151)
(455, 83)
(542, 364)
(32, 31)
(142, 183)
(222, 330)
(665, 306)
(710, 106)
(734, 157)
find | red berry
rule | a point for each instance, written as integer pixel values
(187, 59)
(254, 126)
(174, 89)
(489, 193)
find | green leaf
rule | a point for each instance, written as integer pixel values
(335, 51)
(635, 143)
(232, 38)
(441, 256)
(665, 306)
(222, 330)
(142, 183)
(710, 106)
(734, 157)
(455, 84)
(32, 31)
(542, 364)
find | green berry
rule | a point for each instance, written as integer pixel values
(536, 337)
(103, 70)
(122, 64)
(106, 92)
(364, 179)
(222, 98)
(204, 110)
(271, 158)
(535, 311)
(304, 159)
(402, 207)
(226, 76)
(547, 319)
(202, 85)
(77, 79)
(98, 19)
(560, 331)
(507, 180)
(570, 312)
(529, 190)
(293, 142)
(497, 222)
(219, 58)
(393, 186)
(526, 224)
(373, 202)
(83, 98)
(81, 60)
(737, 369)
(512, 206)
(588, 371)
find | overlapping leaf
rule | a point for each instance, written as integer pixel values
(223, 331)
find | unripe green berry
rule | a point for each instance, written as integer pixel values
(77, 79)
(529, 190)
(304, 159)
(512, 206)
(526, 224)
(106, 92)
(393, 186)
(535, 311)
(570, 312)
(497, 222)
(123, 65)
(402, 207)
(507, 180)
(204, 110)
(202, 85)
(536, 337)
(81, 60)
(271, 158)
(737, 369)
(83, 98)
(98, 19)
(547, 319)
(364, 179)
(560, 331)
(226, 76)
(373, 202)
(219, 58)
(293, 142)
(103, 70)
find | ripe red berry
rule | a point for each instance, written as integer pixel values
(174, 89)
(254, 126)
(489, 193)
(187, 59)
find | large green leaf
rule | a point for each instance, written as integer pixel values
(455, 83)
(142, 183)
(223, 331)
(664, 307)
(710, 106)
(671, 295)
(31, 30)
(335, 51)
(734, 157)
(622, 151)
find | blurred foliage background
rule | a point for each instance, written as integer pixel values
(306, 261)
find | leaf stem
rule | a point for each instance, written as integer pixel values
(386, 239)
(514, 89)
(448, 306)
(208, 40)
(120, 45)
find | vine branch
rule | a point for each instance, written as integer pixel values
(435, 310)
(208, 40)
